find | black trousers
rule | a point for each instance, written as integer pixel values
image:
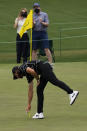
(48, 75)
(22, 47)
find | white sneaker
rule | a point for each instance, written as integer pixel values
(73, 97)
(41, 116)
(38, 116)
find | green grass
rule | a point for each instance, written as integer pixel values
(59, 115)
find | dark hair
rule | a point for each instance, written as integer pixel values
(14, 69)
(17, 70)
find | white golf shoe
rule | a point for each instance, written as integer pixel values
(73, 97)
(38, 116)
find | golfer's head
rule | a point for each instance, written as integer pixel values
(16, 73)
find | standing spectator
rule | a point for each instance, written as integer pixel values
(22, 44)
(41, 22)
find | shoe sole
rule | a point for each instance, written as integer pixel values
(41, 118)
(75, 98)
(38, 118)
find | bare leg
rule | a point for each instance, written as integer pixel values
(48, 54)
(34, 55)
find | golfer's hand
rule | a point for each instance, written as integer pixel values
(28, 108)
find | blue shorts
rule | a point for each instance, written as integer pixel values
(41, 38)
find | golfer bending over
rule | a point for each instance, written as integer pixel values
(43, 73)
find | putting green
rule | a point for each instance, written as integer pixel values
(59, 115)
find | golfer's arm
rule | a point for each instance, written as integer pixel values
(30, 93)
(33, 73)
